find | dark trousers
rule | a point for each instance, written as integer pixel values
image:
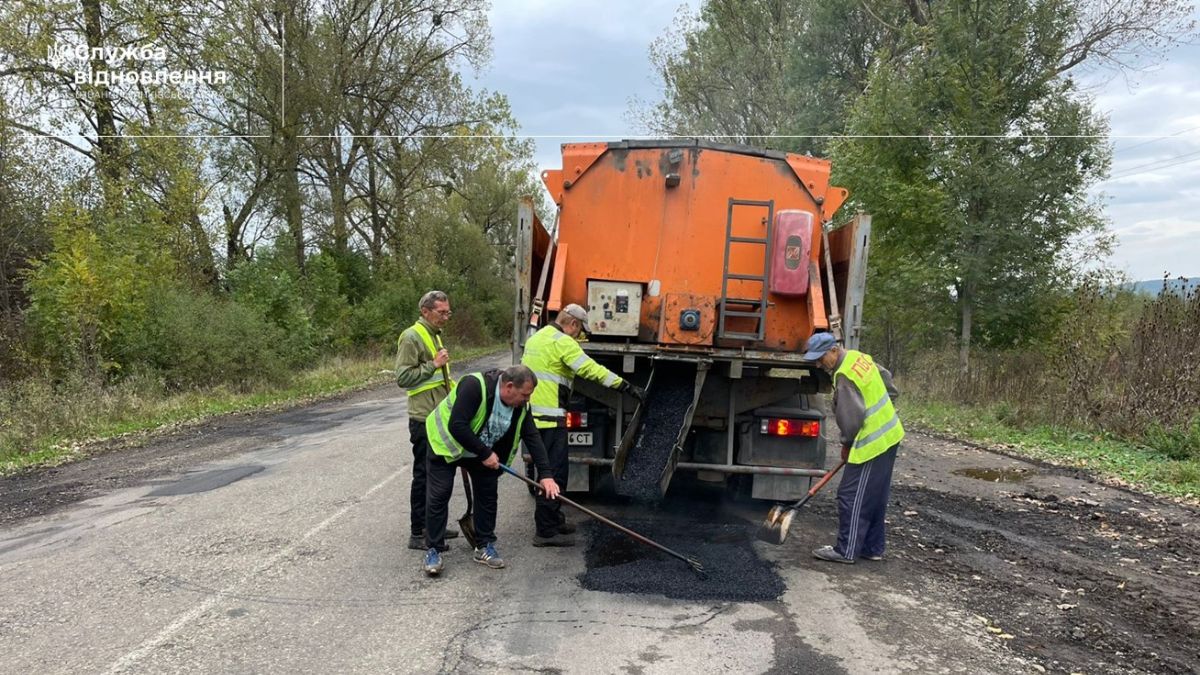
(862, 504)
(548, 515)
(416, 494)
(439, 487)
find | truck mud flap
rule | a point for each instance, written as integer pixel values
(651, 445)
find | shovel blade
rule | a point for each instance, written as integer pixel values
(774, 529)
(466, 524)
(769, 530)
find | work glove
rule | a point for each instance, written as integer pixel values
(845, 453)
(633, 390)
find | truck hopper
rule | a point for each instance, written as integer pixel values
(650, 447)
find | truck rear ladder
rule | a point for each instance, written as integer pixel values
(757, 306)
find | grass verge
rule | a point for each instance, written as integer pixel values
(44, 425)
(1113, 459)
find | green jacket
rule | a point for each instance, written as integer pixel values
(414, 365)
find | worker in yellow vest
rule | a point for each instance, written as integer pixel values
(478, 427)
(870, 433)
(557, 359)
(422, 369)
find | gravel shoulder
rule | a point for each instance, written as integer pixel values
(1073, 574)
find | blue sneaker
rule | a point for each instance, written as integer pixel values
(433, 562)
(487, 555)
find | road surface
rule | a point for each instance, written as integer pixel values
(274, 543)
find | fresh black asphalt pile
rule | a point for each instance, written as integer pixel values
(735, 573)
(666, 405)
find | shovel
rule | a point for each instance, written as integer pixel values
(696, 565)
(466, 524)
(779, 519)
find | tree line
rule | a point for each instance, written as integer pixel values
(216, 189)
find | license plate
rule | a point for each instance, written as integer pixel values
(579, 438)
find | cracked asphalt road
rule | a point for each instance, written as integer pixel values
(275, 543)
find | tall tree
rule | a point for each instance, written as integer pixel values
(976, 154)
(725, 69)
(968, 136)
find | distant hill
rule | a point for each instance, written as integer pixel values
(1155, 286)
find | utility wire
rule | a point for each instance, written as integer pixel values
(1157, 164)
(1153, 140)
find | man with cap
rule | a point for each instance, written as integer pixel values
(554, 355)
(870, 435)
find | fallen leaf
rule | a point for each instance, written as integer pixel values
(910, 513)
(1005, 636)
(995, 629)
(1064, 607)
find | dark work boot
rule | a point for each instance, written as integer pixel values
(556, 540)
(564, 527)
(417, 541)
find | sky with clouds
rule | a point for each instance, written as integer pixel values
(570, 70)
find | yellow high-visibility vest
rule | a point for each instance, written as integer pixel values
(437, 426)
(881, 428)
(434, 344)
(556, 358)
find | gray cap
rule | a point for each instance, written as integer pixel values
(576, 312)
(818, 345)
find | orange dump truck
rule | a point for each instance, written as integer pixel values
(704, 270)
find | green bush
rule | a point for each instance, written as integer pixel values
(272, 286)
(81, 295)
(379, 318)
(1180, 442)
(326, 303)
(194, 339)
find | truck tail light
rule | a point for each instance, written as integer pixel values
(576, 420)
(786, 427)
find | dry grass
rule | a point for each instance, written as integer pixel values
(1129, 370)
(45, 422)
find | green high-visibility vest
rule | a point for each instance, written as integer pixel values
(881, 428)
(434, 344)
(437, 426)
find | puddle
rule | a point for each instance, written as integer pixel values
(996, 475)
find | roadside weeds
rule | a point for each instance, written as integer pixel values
(1115, 461)
(42, 427)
